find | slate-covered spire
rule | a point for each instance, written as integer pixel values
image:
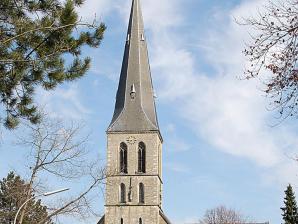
(135, 106)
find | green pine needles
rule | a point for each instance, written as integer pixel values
(40, 46)
(13, 193)
(290, 210)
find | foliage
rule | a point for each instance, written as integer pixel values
(222, 215)
(40, 46)
(12, 196)
(274, 49)
(290, 215)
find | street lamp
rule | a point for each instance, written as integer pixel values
(43, 194)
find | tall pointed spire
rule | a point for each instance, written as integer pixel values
(135, 106)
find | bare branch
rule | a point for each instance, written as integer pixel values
(275, 49)
(60, 152)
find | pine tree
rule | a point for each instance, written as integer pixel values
(12, 195)
(290, 210)
(41, 45)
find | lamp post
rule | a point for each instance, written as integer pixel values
(43, 194)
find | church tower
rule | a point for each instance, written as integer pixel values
(134, 141)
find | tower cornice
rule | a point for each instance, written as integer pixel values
(137, 132)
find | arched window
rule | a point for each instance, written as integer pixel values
(142, 158)
(121, 222)
(122, 193)
(140, 221)
(123, 158)
(141, 193)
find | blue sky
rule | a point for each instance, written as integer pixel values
(219, 144)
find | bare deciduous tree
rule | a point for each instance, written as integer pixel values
(222, 215)
(274, 48)
(60, 153)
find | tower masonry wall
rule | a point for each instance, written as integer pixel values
(152, 190)
(153, 145)
(131, 214)
(133, 209)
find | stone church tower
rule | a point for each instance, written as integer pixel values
(134, 141)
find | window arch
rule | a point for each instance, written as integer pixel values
(122, 193)
(141, 193)
(123, 157)
(140, 221)
(142, 158)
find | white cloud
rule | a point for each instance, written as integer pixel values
(226, 112)
(234, 117)
(189, 220)
(92, 9)
(230, 117)
(178, 145)
(64, 103)
(176, 167)
(164, 16)
(157, 14)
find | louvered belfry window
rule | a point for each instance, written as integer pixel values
(142, 158)
(123, 158)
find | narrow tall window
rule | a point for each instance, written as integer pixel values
(140, 221)
(123, 158)
(122, 193)
(142, 158)
(141, 193)
(121, 222)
